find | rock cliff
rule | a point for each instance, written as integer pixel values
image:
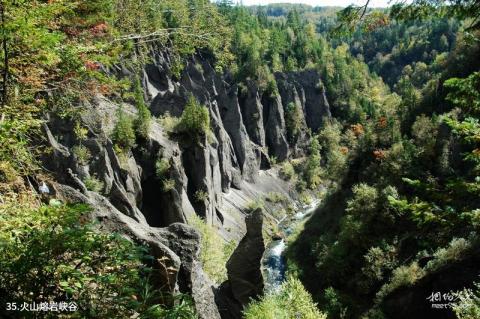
(248, 128)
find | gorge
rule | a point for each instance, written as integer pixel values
(208, 160)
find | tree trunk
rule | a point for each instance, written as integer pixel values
(5, 56)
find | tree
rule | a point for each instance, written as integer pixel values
(313, 170)
(294, 120)
(353, 16)
(195, 119)
(143, 120)
(123, 132)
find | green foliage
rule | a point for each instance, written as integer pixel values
(264, 46)
(195, 119)
(290, 301)
(162, 168)
(401, 276)
(214, 250)
(93, 184)
(169, 123)
(293, 120)
(313, 171)
(379, 261)
(53, 55)
(168, 185)
(201, 196)
(123, 133)
(364, 199)
(464, 93)
(275, 197)
(47, 254)
(400, 177)
(425, 130)
(287, 172)
(82, 154)
(335, 154)
(333, 306)
(81, 133)
(15, 138)
(7, 173)
(254, 205)
(468, 306)
(455, 251)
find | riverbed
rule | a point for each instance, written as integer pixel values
(274, 264)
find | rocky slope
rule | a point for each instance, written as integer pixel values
(231, 166)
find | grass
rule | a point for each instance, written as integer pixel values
(169, 123)
(214, 251)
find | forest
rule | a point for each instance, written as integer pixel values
(168, 158)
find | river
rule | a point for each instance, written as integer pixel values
(273, 263)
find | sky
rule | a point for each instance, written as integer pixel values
(340, 3)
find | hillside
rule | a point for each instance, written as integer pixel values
(204, 160)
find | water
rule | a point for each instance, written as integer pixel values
(274, 264)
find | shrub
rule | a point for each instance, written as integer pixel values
(301, 185)
(169, 123)
(162, 167)
(334, 306)
(275, 197)
(82, 154)
(7, 172)
(364, 199)
(305, 198)
(425, 131)
(201, 196)
(379, 260)
(48, 253)
(123, 133)
(401, 276)
(455, 251)
(80, 132)
(168, 185)
(287, 172)
(254, 205)
(195, 119)
(468, 305)
(290, 301)
(273, 160)
(214, 251)
(15, 146)
(93, 184)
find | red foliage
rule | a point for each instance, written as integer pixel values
(357, 129)
(92, 66)
(379, 154)
(344, 150)
(70, 31)
(382, 122)
(99, 29)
